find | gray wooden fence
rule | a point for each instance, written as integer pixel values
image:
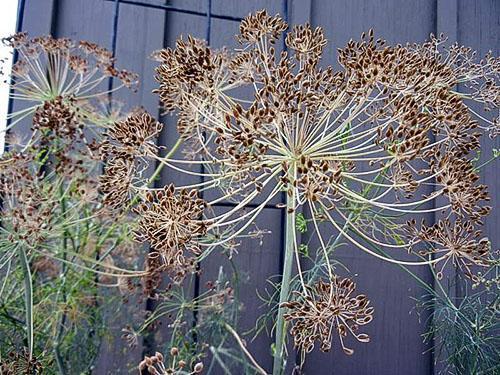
(134, 31)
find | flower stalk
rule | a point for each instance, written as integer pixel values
(280, 340)
(28, 297)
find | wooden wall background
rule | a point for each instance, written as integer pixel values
(396, 346)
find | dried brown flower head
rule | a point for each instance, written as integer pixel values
(48, 68)
(133, 136)
(156, 364)
(116, 181)
(259, 25)
(460, 243)
(372, 135)
(306, 42)
(130, 336)
(55, 118)
(189, 69)
(458, 180)
(360, 146)
(28, 205)
(172, 222)
(325, 308)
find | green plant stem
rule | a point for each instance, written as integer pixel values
(28, 297)
(62, 319)
(280, 340)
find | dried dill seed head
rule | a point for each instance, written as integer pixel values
(75, 69)
(242, 67)
(126, 144)
(130, 336)
(31, 219)
(172, 222)
(360, 147)
(306, 42)
(191, 64)
(326, 308)
(374, 134)
(132, 137)
(116, 181)
(28, 206)
(259, 25)
(58, 130)
(156, 364)
(14, 169)
(459, 183)
(461, 244)
(56, 118)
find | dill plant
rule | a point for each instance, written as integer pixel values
(368, 150)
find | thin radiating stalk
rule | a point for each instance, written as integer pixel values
(28, 297)
(244, 349)
(280, 339)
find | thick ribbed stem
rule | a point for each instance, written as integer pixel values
(279, 355)
(28, 297)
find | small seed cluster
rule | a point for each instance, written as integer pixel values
(27, 206)
(325, 308)
(126, 144)
(155, 365)
(172, 222)
(81, 58)
(132, 137)
(462, 244)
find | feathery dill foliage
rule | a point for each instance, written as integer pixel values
(369, 150)
(465, 329)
